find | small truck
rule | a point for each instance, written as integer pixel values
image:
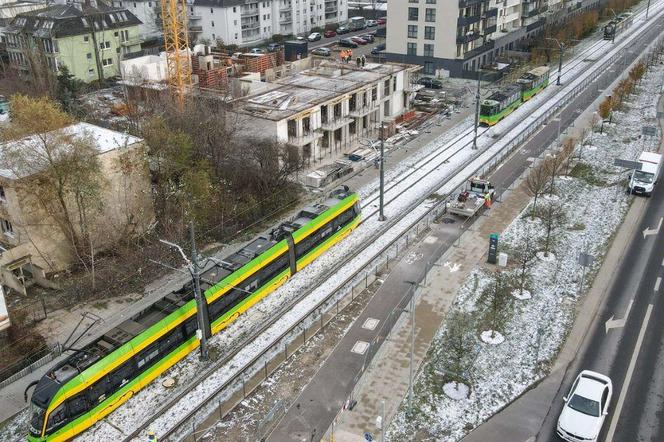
(479, 192)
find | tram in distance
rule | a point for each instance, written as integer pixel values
(99, 377)
(617, 25)
(503, 102)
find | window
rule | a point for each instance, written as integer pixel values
(412, 31)
(212, 11)
(413, 14)
(430, 15)
(233, 9)
(7, 227)
(386, 88)
(386, 109)
(431, 2)
(413, 1)
(57, 418)
(212, 23)
(107, 61)
(104, 45)
(86, 38)
(116, 33)
(411, 49)
(77, 405)
(235, 22)
(428, 68)
(2, 194)
(89, 56)
(429, 33)
(428, 50)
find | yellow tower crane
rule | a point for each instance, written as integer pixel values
(176, 44)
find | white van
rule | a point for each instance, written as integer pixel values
(642, 182)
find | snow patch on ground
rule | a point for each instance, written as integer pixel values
(492, 337)
(521, 295)
(456, 390)
(594, 203)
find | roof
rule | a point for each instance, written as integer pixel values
(105, 140)
(505, 93)
(309, 88)
(650, 157)
(589, 388)
(67, 20)
(218, 3)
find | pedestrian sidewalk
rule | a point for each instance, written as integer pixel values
(387, 378)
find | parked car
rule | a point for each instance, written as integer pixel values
(300, 38)
(323, 52)
(314, 36)
(359, 40)
(372, 23)
(378, 48)
(329, 33)
(382, 21)
(368, 37)
(342, 30)
(274, 47)
(431, 83)
(347, 43)
(257, 51)
(586, 406)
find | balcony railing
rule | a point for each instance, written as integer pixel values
(249, 12)
(462, 39)
(249, 26)
(305, 138)
(363, 110)
(468, 20)
(487, 46)
(131, 42)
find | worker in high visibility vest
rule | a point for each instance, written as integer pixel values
(487, 200)
(151, 436)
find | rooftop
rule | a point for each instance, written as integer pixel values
(104, 139)
(299, 92)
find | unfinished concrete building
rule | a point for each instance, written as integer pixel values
(326, 110)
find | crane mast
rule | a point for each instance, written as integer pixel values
(176, 44)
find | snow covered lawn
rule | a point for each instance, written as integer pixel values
(593, 202)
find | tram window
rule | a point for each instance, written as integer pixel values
(121, 375)
(77, 405)
(146, 356)
(97, 392)
(170, 341)
(56, 418)
(190, 326)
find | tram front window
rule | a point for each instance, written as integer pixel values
(37, 421)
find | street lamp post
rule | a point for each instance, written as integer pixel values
(194, 268)
(381, 215)
(561, 50)
(477, 107)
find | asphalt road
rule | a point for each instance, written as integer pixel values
(332, 40)
(637, 348)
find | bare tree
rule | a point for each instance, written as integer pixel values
(537, 182)
(524, 254)
(553, 215)
(496, 298)
(458, 342)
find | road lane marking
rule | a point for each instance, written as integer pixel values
(618, 323)
(657, 283)
(662, 262)
(628, 375)
(654, 231)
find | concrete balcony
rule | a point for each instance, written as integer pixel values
(195, 28)
(133, 41)
(335, 123)
(362, 111)
(305, 138)
(249, 13)
(250, 26)
(462, 39)
(469, 20)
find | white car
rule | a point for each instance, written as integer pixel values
(314, 36)
(586, 406)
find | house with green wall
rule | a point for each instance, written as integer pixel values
(89, 38)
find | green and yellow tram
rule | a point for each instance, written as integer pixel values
(503, 102)
(99, 377)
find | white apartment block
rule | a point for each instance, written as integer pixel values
(326, 110)
(456, 37)
(148, 12)
(248, 22)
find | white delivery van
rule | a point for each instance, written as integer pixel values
(642, 182)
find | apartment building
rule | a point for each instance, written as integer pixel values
(456, 37)
(31, 241)
(148, 13)
(326, 110)
(248, 22)
(89, 38)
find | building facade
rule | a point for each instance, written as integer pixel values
(148, 12)
(457, 37)
(90, 39)
(325, 111)
(249, 22)
(31, 242)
